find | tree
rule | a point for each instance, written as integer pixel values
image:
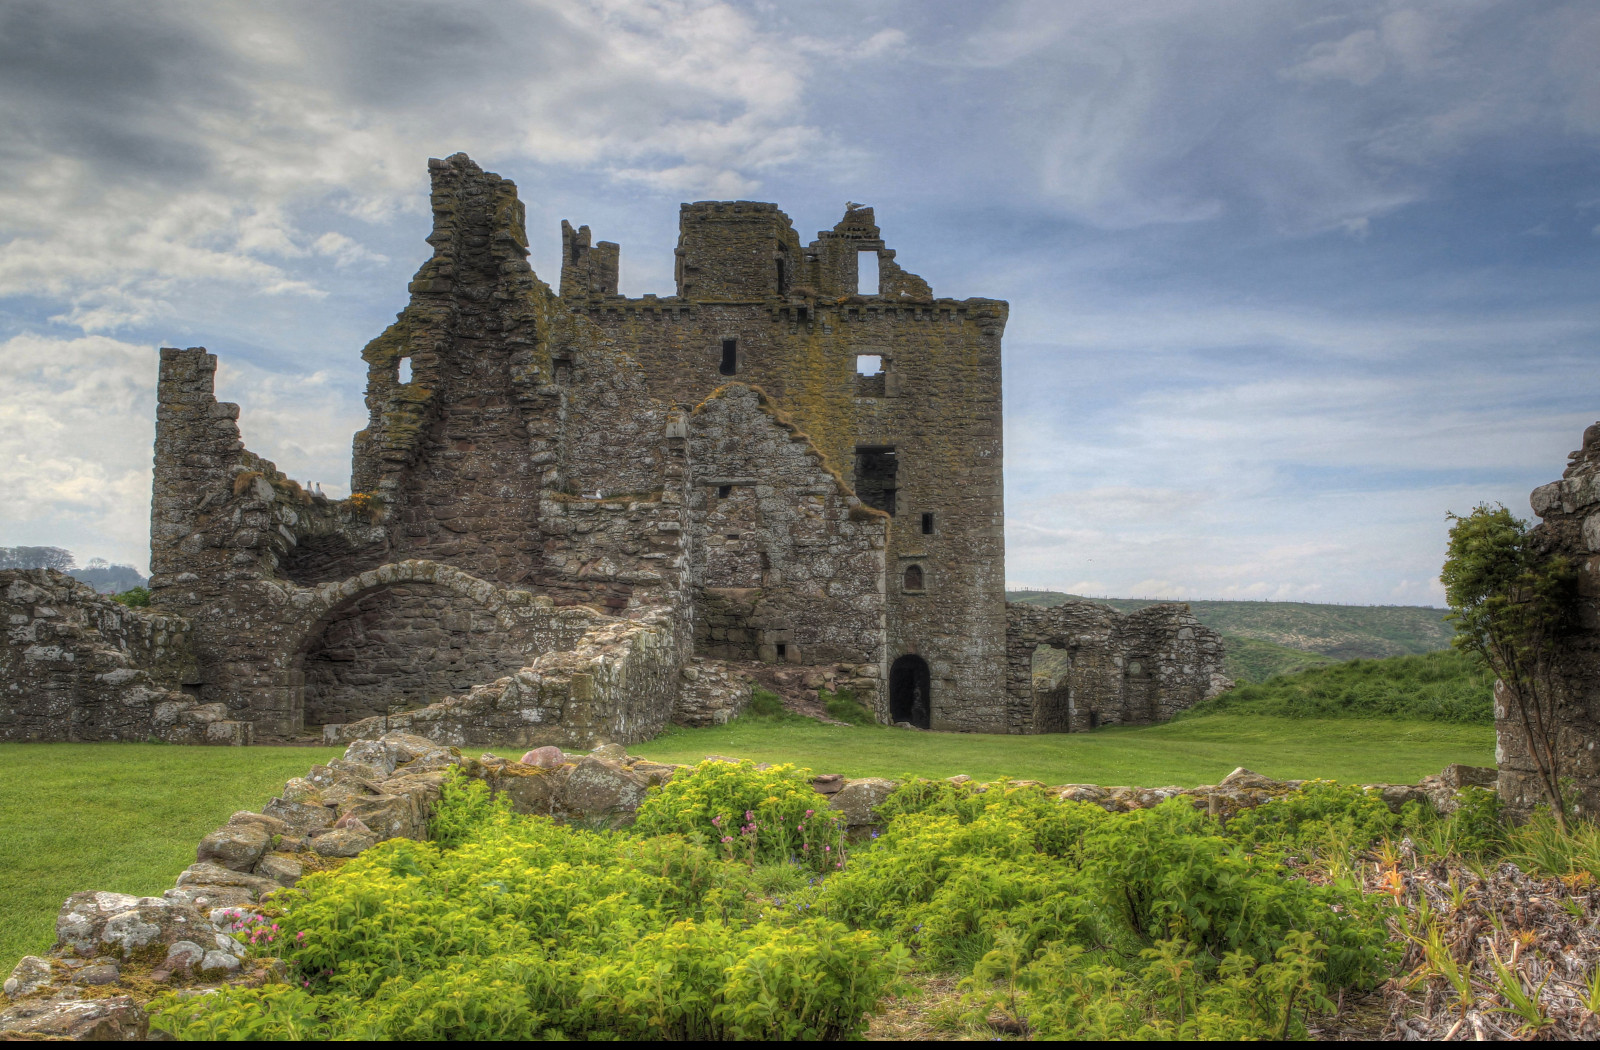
(36, 558)
(1510, 603)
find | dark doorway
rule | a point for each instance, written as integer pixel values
(730, 357)
(910, 699)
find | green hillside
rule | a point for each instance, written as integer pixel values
(1268, 638)
(1439, 687)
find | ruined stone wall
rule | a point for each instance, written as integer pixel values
(792, 563)
(77, 666)
(1136, 669)
(1569, 513)
(937, 405)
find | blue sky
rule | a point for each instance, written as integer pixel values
(1289, 279)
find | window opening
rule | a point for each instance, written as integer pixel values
(927, 524)
(876, 467)
(730, 357)
(913, 578)
(869, 364)
(403, 372)
(867, 273)
(724, 491)
(783, 650)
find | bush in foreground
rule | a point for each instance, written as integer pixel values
(1071, 920)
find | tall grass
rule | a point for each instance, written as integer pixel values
(1440, 687)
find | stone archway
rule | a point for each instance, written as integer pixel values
(407, 634)
(910, 691)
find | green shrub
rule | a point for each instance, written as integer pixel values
(1323, 820)
(759, 816)
(134, 597)
(522, 928)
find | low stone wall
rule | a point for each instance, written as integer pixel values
(115, 951)
(75, 665)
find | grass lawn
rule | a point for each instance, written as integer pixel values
(126, 817)
(119, 817)
(1186, 753)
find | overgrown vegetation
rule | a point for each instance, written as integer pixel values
(1511, 602)
(1062, 920)
(1250, 660)
(1443, 687)
(527, 929)
(134, 598)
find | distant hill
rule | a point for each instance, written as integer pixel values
(110, 579)
(1268, 638)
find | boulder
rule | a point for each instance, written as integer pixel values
(235, 846)
(828, 783)
(98, 974)
(859, 800)
(281, 867)
(302, 818)
(94, 922)
(273, 825)
(342, 842)
(219, 960)
(611, 753)
(544, 758)
(369, 759)
(409, 747)
(600, 787)
(654, 772)
(117, 1018)
(387, 816)
(538, 793)
(30, 976)
(1242, 778)
(183, 955)
(425, 787)
(84, 915)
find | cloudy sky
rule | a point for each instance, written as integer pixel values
(1289, 279)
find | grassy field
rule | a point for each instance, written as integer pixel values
(119, 817)
(1198, 750)
(1445, 686)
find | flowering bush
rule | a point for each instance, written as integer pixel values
(759, 816)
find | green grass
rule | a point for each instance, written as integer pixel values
(1197, 750)
(119, 817)
(1445, 687)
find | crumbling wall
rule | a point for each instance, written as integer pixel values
(792, 563)
(77, 666)
(1569, 513)
(793, 322)
(1136, 669)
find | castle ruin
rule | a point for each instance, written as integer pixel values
(573, 511)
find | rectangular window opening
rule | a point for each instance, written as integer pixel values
(876, 467)
(783, 650)
(867, 273)
(869, 364)
(927, 524)
(730, 357)
(724, 491)
(403, 371)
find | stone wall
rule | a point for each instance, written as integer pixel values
(792, 564)
(1569, 513)
(792, 321)
(1136, 669)
(78, 666)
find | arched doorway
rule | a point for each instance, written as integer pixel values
(910, 696)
